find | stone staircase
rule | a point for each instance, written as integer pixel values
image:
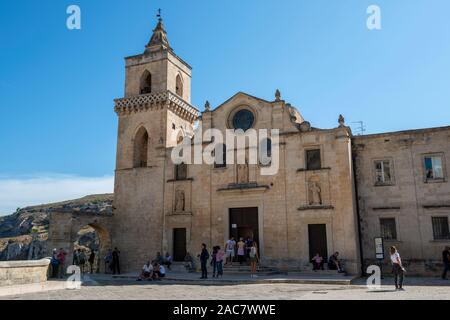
(244, 269)
(236, 268)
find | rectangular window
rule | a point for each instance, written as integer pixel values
(388, 228)
(383, 172)
(181, 171)
(440, 228)
(433, 168)
(220, 157)
(313, 161)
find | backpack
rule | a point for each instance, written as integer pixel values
(54, 262)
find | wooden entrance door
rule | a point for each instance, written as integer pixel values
(317, 234)
(244, 223)
(179, 244)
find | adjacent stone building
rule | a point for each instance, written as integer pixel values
(404, 194)
(312, 205)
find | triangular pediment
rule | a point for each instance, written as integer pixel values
(238, 96)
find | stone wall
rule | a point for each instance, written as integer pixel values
(23, 272)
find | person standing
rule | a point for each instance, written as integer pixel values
(397, 268)
(254, 258)
(230, 246)
(241, 251)
(214, 261)
(75, 260)
(61, 258)
(115, 261)
(81, 260)
(248, 245)
(446, 261)
(219, 261)
(91, 261)
(108, 261)
(55, 264)
(204, 256)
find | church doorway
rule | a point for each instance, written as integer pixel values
(317, 235)
(179, 244)
(244, 224)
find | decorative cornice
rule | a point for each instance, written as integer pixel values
(385, 208)
(252, 186)
(156, 101)
(315, 207)
(436, 206)
(320, 169)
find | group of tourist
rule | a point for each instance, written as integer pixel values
(57, 263)
(112, 261)
(334, 263)
(79, 259)
(241, 249)
(244, 250)
(154, 270)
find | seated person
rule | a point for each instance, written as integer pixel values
(168, 260)
(147, 272)
(158, 271)
(334, 263)
(317, 262)
(159, 258)
(189, 263)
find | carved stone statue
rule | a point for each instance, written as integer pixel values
(341, 121)
(242, 173)
(179, 201)
(277, 95)
(207, 106)
(315, 194)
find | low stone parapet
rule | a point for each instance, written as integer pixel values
(23, 272)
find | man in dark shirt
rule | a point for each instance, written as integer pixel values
(446, 261)
(204, 256)
(115, 261)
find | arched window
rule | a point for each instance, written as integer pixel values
(265, 152)
(146, 83)
(179, 86)
(141, 148)
(220, 157)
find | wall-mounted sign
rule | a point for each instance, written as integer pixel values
(234, 226)
(379, 248)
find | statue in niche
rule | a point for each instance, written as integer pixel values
(315, 194)
(179, 201)
(242, 173)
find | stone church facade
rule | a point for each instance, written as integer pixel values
(330, 193)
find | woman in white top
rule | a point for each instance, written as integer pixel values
(397, 268)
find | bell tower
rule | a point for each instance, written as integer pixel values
(158, 69)
(154, 110)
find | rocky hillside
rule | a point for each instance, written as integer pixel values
(23, 234)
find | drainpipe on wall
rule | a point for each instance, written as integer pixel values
(355, 183)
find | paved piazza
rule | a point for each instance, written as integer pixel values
(433, 289)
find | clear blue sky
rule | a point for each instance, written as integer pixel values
(57, 86)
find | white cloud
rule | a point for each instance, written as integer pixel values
(39, 189)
